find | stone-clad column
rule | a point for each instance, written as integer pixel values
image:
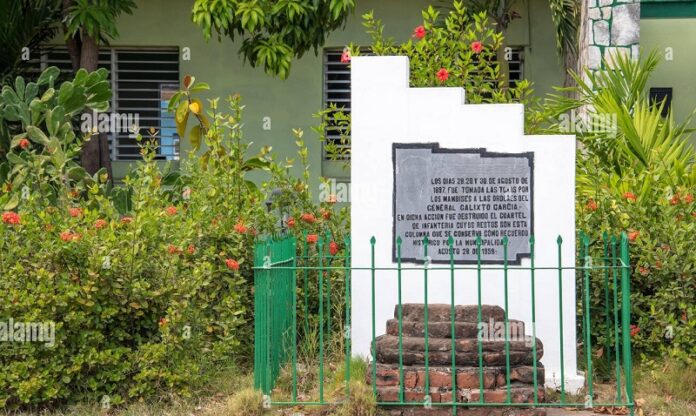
(614, 27)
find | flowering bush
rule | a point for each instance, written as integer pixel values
(457, 50)
(660, 227)
(148, 285)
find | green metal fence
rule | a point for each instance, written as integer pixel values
(288, 314)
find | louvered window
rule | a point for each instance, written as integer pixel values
(336, 92)
(142, 81)
(515, 60)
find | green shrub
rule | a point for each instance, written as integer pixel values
(149, 284)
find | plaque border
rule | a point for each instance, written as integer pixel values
(483, 152)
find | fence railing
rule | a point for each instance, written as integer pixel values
(315, 314)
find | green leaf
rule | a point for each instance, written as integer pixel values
(37, 136)
(195, 137)
(12, 203)
(49, 76)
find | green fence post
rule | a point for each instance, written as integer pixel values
(450, 243)
(507, 323)
(607, 319)
(374, 337)
(305, 254)
(401, 320)
(587, 318)
(534, 347)
(626, 319)
(294, 318)
(559, 242)
(328, 289)
(480, 317)
(346, 242)
(617, 353)
(426, 264)
(320, 254)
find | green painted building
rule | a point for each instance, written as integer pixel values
(670, 27)
(158, 45)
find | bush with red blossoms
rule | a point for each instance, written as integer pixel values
(149, 283)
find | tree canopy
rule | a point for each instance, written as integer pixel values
(273, 32)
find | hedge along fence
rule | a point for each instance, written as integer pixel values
(278, 306)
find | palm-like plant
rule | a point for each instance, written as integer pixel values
(26, 24)
(642, 142)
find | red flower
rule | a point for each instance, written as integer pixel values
(163, 321)
(476, 46)
(172, 249)
(68, 236)
(24, 143)
(675, 199)
(633, 235)
(232, 264)
(308, 218)
(419, 32)
(689, 198)
(332, 199)
(126, 220)
(312, 238)
(191, 249)
(75, 212)
(11, 218)
(442, 74)
(333, 248)
(345, 56)
(326, 214)
(240, 227)
(634, 330)
(630, 196)
(592, 205)
(100, 223)
(171, 210)
(291, 222)
(643, 270)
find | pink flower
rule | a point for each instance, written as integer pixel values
(333, 248)
(172, 249)
(171, 210)
(332, 199)
(232, 264)
(312, 238)
(345, 56)
(100, 223)
(68, 236)
(476, 46)
(308, 218)
(634, 330)
(419, 32)
(442, 74)
(126, 220)
(11, 218)
(291, 222)
(240, 227)
(75, 212)
(191, 249)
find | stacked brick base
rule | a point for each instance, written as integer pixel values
(467, 361)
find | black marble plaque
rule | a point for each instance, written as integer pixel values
(462, 193)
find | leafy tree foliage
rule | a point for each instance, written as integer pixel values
(273, 32)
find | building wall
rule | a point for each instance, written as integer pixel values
(675, 40)
(290, 103)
